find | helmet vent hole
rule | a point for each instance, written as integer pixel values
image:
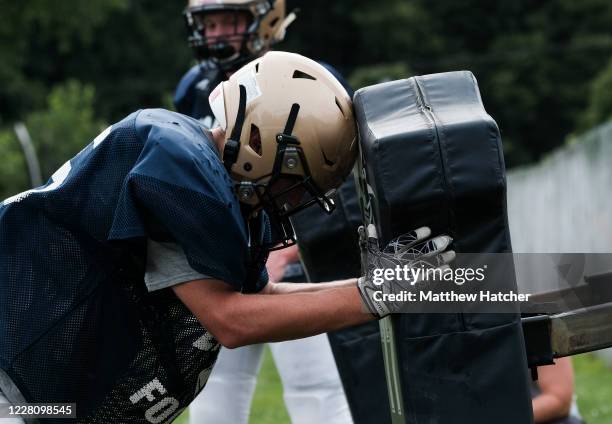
(274, 21)
(326, 160)
(257, 67)
(303, 75)
(255, 139)
(340, 107)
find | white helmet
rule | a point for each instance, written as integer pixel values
(291, 134)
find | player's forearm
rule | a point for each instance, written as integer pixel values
(547, 407)
(265, 318)
(287, 288)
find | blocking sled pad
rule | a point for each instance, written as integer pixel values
(432, 156)
(329, 250)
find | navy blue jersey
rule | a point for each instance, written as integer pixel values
(76, 321)
(191, 95)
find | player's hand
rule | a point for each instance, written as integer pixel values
(415, 249)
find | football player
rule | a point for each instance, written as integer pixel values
(224, 35)
(121, 277)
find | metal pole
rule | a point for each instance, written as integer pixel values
(29, 153)
(392, 370)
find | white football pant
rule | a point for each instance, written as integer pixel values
(312, 390)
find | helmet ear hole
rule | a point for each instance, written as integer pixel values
(255, 139)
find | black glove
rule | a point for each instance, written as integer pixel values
(414, 250)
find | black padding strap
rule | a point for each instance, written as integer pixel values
(237, 131)
(295, 108)
(232, 146)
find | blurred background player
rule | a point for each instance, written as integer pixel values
(225, 35)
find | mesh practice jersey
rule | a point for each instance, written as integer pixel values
(77, 324)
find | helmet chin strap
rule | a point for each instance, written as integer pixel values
(232, 145)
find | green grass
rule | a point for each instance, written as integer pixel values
(268, 406)
(593, 387)
(182, 419)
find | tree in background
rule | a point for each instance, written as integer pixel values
(600, 100)
(59, 132)
(534, 60)
(55, 56)
(67, 125)
(13, 172)
(37, 40)
(132, 51)
(541, 66)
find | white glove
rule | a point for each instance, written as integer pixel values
(414, 250)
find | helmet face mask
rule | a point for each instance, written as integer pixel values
(289, 188)
(221, 35)
(284, 194)
(248, 29)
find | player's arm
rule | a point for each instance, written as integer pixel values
(277, 264)
(288, 288)
(237, 319)
(557, 385)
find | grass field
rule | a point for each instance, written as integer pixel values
(268, 406)
(593, 387)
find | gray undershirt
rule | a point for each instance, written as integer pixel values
(167, 266)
